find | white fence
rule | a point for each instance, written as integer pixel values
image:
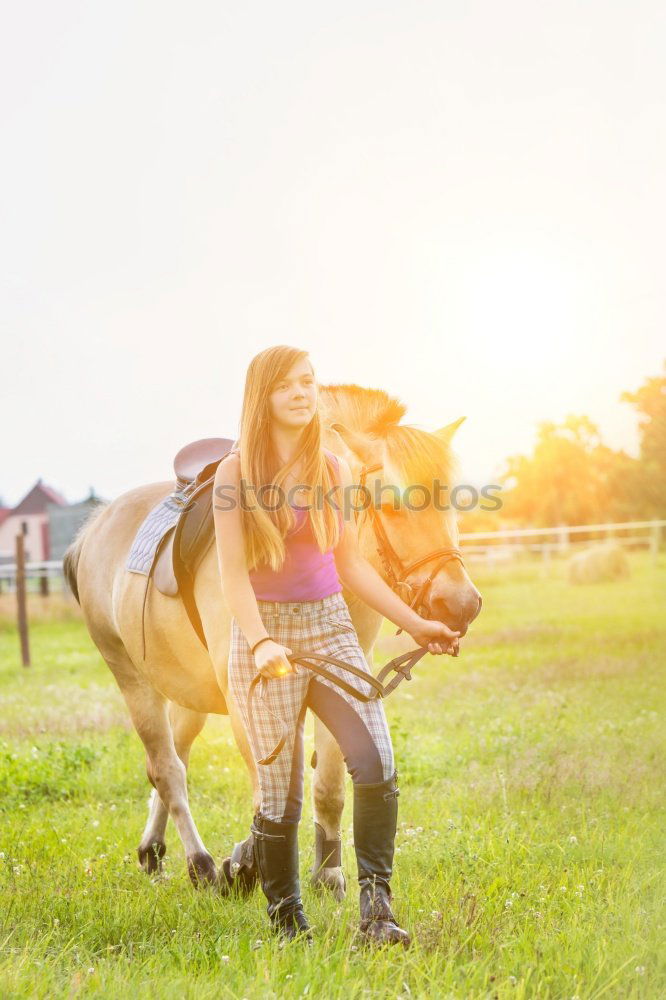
(495, 546)
(505, 545)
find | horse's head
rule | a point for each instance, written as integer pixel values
(407, 524)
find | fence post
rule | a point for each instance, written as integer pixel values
(563, 537)
(655, 538)
(21, 600)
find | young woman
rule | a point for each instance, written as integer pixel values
(282, 567)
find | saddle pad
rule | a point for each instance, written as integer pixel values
(158, 522)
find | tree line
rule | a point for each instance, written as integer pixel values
(572, 477)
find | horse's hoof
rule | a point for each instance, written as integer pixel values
(150, 857)
(331, 880)
(243, 883)
(202, 871)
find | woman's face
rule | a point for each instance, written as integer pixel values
(293, 400)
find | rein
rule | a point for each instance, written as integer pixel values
(402, 665)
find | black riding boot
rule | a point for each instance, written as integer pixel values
(276, 854)
(375, 823)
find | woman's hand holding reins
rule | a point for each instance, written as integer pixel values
(271, 659)
(437, 636)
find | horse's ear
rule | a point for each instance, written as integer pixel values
(358, 444)
(446, 433)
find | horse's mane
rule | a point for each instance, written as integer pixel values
(410, 455)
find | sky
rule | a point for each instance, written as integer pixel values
(462, 204)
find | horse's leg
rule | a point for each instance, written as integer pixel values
(328, 799)
(166, 770)
(152, 846)
(185, 727)
(239, 870)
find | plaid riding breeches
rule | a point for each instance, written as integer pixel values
(360, 728)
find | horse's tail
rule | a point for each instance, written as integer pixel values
(70, 560)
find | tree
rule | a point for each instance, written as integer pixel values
(649, 483)
(571, 477)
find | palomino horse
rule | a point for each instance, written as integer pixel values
(170, 693)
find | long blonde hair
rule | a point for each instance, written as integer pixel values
(264, 529)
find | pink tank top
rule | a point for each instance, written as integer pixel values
(307, 574)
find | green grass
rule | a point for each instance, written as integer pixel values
(531, 840)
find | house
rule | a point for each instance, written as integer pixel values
(31, 518)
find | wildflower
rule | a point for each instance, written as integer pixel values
(573, 839)
(640, 970)
(224, 958)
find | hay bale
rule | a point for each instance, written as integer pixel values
(599, 563)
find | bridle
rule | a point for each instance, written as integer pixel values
(397, 573)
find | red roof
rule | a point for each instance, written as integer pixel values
(35, 501)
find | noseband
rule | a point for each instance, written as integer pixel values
(402, 664)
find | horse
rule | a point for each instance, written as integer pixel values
(170, 693)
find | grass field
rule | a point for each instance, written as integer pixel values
(531, 841)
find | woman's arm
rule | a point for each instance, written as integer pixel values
(236, 584)
(270, 657)
(359, 576)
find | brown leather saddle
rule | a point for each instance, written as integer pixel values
(177, 533)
